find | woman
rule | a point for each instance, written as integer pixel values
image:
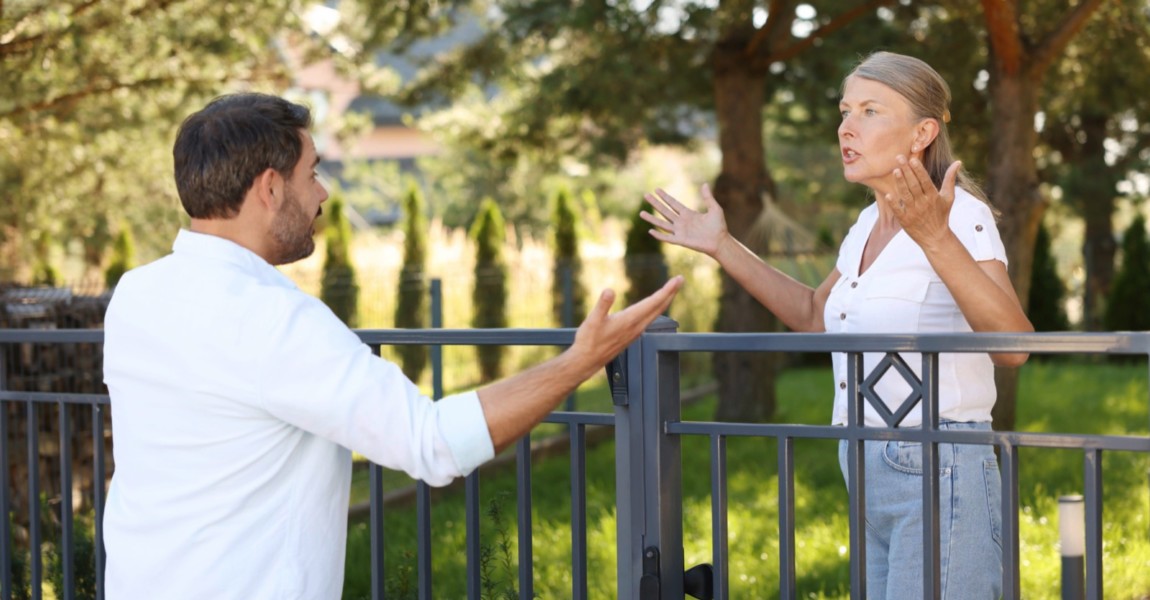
(925, 257)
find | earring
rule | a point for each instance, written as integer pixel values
(914, 148)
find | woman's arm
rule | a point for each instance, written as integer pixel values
(982, 289)
(796, 304)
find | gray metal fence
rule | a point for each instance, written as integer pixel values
(648, 431)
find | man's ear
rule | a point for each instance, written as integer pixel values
(268, 189)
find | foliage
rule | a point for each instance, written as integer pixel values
(84, 562)
(123, 257)
(497, 564)
(568, 297)
(1126, 310)
(644, 261)
(339, 288)
(489, 298)
(411, 310)
(1047, 290)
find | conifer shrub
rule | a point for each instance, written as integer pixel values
(1126, 310)
(489, 297)
(411, 309)
(338, 287)
(644, 263)
(566, 286)
(1047, 290)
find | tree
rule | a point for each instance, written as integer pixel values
(1020, 55)
(1127, 308)
(94, 90)
(489, 297)
(587, 83)
(644, 263)
(411, 310)
(1097, 125)
(568, 297)
(1046, 289)
(339, 288)
(123, 257)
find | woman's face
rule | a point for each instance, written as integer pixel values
(877, 126)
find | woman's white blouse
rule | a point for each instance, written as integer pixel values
(901, 293)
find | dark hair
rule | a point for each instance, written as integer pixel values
(929, 97)
(221, 149)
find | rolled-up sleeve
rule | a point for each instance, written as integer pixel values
(319, 377)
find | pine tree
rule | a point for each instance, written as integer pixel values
(339, 288)
(644, 262)
(411, 310)
(123, 257)
(1046, 288)
(490, 295)
(1127, 308)
(568, 263)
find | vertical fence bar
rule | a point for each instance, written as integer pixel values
(665, 478)
(931, 541)
(523, 508)
(471, 500)
(719, 548)
(1093, 492)
(1011, 577)
(34, 560)
(98, 474)
(378, 574)
(856, 479)
(422, 490)
(375, 523)
(786, 517)
(578, 433)
(5, 504)
(66, 533)
(423, 527)
(568, 318)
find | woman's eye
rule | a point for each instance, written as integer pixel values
(870, 111)
(844, 113)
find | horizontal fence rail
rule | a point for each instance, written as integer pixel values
(645, 387)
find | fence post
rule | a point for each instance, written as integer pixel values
(648, 470)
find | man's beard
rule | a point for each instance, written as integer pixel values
(292, 232)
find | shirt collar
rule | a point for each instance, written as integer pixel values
(203, 245)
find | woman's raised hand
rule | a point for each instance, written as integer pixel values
(922, 209)
(677, 224)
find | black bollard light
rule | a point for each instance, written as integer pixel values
(1072, 537)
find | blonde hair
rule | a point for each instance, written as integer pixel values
(929, 98)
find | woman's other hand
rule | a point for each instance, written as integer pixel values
(922, 210)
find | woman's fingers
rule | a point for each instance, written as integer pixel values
(671, 201)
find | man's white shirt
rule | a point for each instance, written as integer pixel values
(235, 400)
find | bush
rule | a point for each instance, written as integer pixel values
(123, 257)
(489, 297)
(644, 262)
(1047, 291)
(568, 263)
(1126, 310)
(339, 288)
(411, 310)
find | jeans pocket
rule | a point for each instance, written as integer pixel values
(903, 456)
(993, 498)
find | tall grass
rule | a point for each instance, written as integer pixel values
(1054, 397)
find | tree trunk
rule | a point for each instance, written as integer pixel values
(746, 379)
(1093, 185)
(1012, 185)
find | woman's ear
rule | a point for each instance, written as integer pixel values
(925, 133)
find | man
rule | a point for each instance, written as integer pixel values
(237, 399)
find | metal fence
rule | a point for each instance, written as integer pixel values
(648, 429)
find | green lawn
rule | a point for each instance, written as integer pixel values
(1054, 397)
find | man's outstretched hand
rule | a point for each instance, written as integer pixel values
(514, 405)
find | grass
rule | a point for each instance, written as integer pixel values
(1054, 397)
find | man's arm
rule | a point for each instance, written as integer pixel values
(514, 405)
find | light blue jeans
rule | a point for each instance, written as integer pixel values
(970, 518)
